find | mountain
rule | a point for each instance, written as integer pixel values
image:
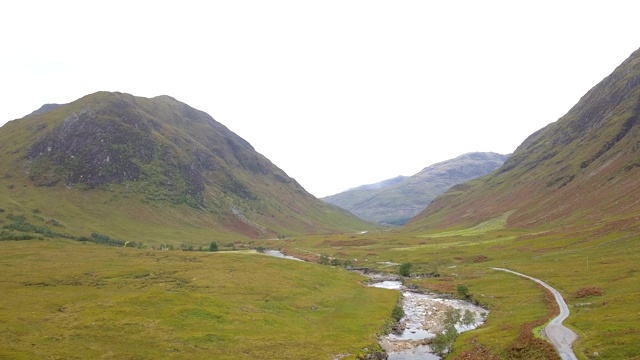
(151, 169)
(45, 109)
(378, 185)
(397, 200)
(580, 171)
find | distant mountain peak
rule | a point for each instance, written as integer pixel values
(395, 201)
(45, 109)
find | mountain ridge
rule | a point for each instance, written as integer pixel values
(587, 159)
(395, 201)
(163, 153)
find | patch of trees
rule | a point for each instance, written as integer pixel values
(332, 261)
(418, 270)
(21, 229)
(109, 241)
(443, 341)
(11, 236)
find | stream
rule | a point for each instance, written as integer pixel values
(279, 254)
(424, 318)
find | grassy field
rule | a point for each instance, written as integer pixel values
(73, 299)
(596, 270)
(64, 299)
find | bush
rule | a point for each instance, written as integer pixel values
(441, 343)
(54, 222)
(19, 224)
(405, 269)
(397, 313)
(186, 247)
(463, 291)
(8, 235)
(16, 218)
(588, 291)
(106, 240)
(213, 246)
(324, 260)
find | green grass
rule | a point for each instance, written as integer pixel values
(497, 223)
(567, 259)
(183, 304)
(74, 300)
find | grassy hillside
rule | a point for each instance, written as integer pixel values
(564, 208)
(580, 170)
(152, 170)
(396, 201)
(72, 300)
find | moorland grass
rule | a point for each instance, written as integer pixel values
(568, 259)
(66, 299)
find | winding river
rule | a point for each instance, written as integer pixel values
(424, 318)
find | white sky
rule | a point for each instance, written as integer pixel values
(336, 93)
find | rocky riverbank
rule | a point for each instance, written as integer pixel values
(426, 315)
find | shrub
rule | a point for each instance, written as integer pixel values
(468, 319)
(443, 341)
(106, 240)
(453, 316)
(8, 235)
(19, 224)
(55, 222)
(17, 218)
(405, 269)
(397, 313)
(213, 246)
(463, 291)
(324, 260)
(588, 291)
(186, 247)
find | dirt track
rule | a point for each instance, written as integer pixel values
(561, 336)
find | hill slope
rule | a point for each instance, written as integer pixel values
(581, 170)
(397, 200)
(116, 163)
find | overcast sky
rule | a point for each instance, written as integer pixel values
(336, 93)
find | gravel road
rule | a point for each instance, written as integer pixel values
(561, 336)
